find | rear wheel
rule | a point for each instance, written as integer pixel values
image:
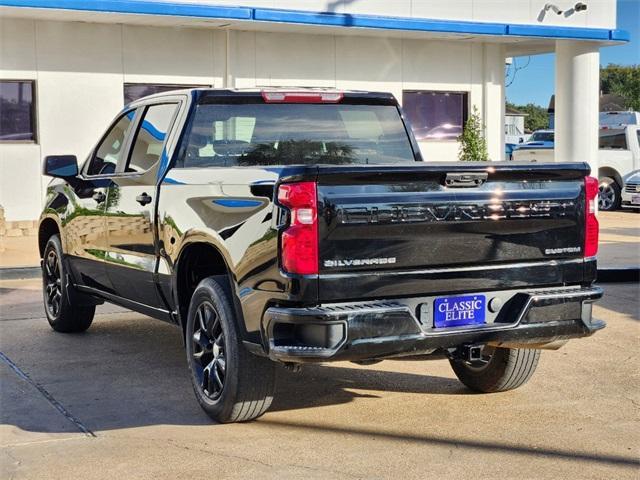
(62, 315)
(231, 384)
(501, 369)
(609, 194)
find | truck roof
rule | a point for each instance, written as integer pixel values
(211, 95)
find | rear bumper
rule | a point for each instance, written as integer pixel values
(362, 331)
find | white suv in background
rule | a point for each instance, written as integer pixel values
(618, 157)
(631, 191)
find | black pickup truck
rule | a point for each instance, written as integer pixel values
(303, 226)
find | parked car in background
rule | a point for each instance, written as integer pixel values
(619, 155)
(631, 190)
(539, 147)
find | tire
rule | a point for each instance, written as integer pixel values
(609, 194)
(58, 293)
(506, 369)
(230, 383)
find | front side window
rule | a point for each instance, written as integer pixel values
(435, 115)
(111, 149)
(295, 134)
(17, 111)
(149, 140)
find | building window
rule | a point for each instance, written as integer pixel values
(436, 115)
(17, 111)
(134, 91)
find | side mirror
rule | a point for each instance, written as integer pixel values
(60, 166)
(521, 140)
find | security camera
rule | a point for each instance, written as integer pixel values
(551, 6)
(580, 7)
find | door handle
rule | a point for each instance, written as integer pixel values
(99, 197)
(143, 199)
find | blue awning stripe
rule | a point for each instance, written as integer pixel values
(370, 21)
(140, 7)
(328, 19)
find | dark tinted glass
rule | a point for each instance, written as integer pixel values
(147, 146)
(435, 115)
(111, 148)
(134, 91)
(542, 137)
(290, 134)
(16, 111)
(613, 140)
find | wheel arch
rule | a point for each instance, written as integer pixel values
(47, 228)
(197, 260)
(611, 173)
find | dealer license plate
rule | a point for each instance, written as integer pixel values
(635, 199)
(457, 311)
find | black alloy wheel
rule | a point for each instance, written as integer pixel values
(52, 283)
(208, 357)
(66, 310)
(230, 383)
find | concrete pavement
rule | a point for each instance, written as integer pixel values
(115, 402)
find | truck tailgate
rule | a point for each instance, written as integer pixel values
(378, 220)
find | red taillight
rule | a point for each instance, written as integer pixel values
(301, 97)
(300, 239)
(591, 227)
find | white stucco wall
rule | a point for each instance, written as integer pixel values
(80, 69)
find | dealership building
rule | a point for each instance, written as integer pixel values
(67, 67)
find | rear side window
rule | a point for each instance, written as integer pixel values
(149, 140)
(613, 141)
(294, 134)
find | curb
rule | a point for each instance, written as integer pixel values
(616, 275)
(19, 273)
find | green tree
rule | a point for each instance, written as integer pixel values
(473, 147)
(537, 116)
(623, 80)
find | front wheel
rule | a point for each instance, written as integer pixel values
(230, 383)
(58, 293)
(501, 369)
(609, 194)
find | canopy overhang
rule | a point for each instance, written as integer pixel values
(519, 39)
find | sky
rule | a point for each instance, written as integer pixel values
(535, 82)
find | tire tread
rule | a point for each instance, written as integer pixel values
(71, 318)
(509, 368)
(255, 381)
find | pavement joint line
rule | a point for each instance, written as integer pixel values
(567, 455)
(57, 405)
(182, 446)
(38, 442)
